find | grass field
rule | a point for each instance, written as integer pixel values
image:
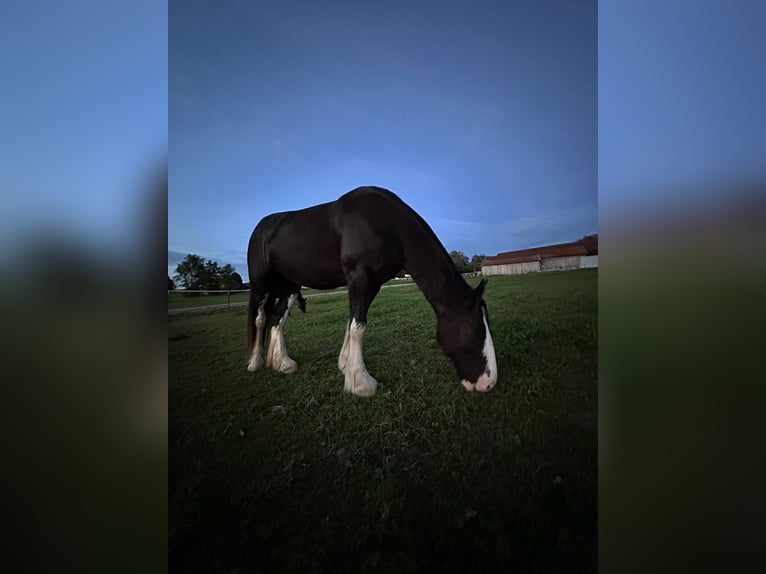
(287, 473)
(181, 300)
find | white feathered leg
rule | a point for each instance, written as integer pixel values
(343, 357)
(276, 357)
(256, 358)
(357, 380)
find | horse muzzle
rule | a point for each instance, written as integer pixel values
(484, 384)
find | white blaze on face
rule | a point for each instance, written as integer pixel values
(488, 379)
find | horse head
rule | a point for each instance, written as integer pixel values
(463, 334)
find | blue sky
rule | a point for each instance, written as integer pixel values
(83, 117)
(482, 116)
(682, 87)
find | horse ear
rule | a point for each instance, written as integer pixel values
(480, 288)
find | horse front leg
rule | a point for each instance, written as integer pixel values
(361, 292)
(357, 380)
(343, 357)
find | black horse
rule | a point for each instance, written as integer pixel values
(361, 240)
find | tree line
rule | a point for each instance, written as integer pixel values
(465, 265)
(197, 273)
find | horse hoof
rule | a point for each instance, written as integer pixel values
(361, 384)
(288, 367)
(255, 364)
(364, 391)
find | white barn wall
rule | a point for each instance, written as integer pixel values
(511, 268)
(560, 263)
(547, 264)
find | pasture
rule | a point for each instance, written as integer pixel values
(180, 300)
(287, 473)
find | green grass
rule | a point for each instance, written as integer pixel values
(181, 300)
(287, 473)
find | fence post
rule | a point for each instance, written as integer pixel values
(228, 299)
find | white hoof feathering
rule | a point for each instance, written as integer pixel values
(360, 383)
(357, 380)
(256, 362)
(276, 357)
(256, 358)
(343, 357)
(287, 366)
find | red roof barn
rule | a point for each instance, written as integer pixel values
(572, 255)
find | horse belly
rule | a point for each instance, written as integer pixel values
(309, 262)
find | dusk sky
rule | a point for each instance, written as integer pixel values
(682, 87)
(83, 118)
(481, 116)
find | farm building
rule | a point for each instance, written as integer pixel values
(574, 255)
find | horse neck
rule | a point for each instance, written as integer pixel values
(433, 271)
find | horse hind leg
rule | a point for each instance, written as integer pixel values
(257, 322)
(301, 302)
(277, 357)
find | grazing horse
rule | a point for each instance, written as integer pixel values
(361, 240)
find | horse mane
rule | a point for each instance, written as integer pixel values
(423, 226)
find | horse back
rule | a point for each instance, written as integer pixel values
(302, 246)
(313, 246)
(374, 222)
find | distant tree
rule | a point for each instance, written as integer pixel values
(233, 282)
(476, 262)
(212, 275)
(461, 261)
(171, 285)
(196, 273)
(191, 272)
(224, 273)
